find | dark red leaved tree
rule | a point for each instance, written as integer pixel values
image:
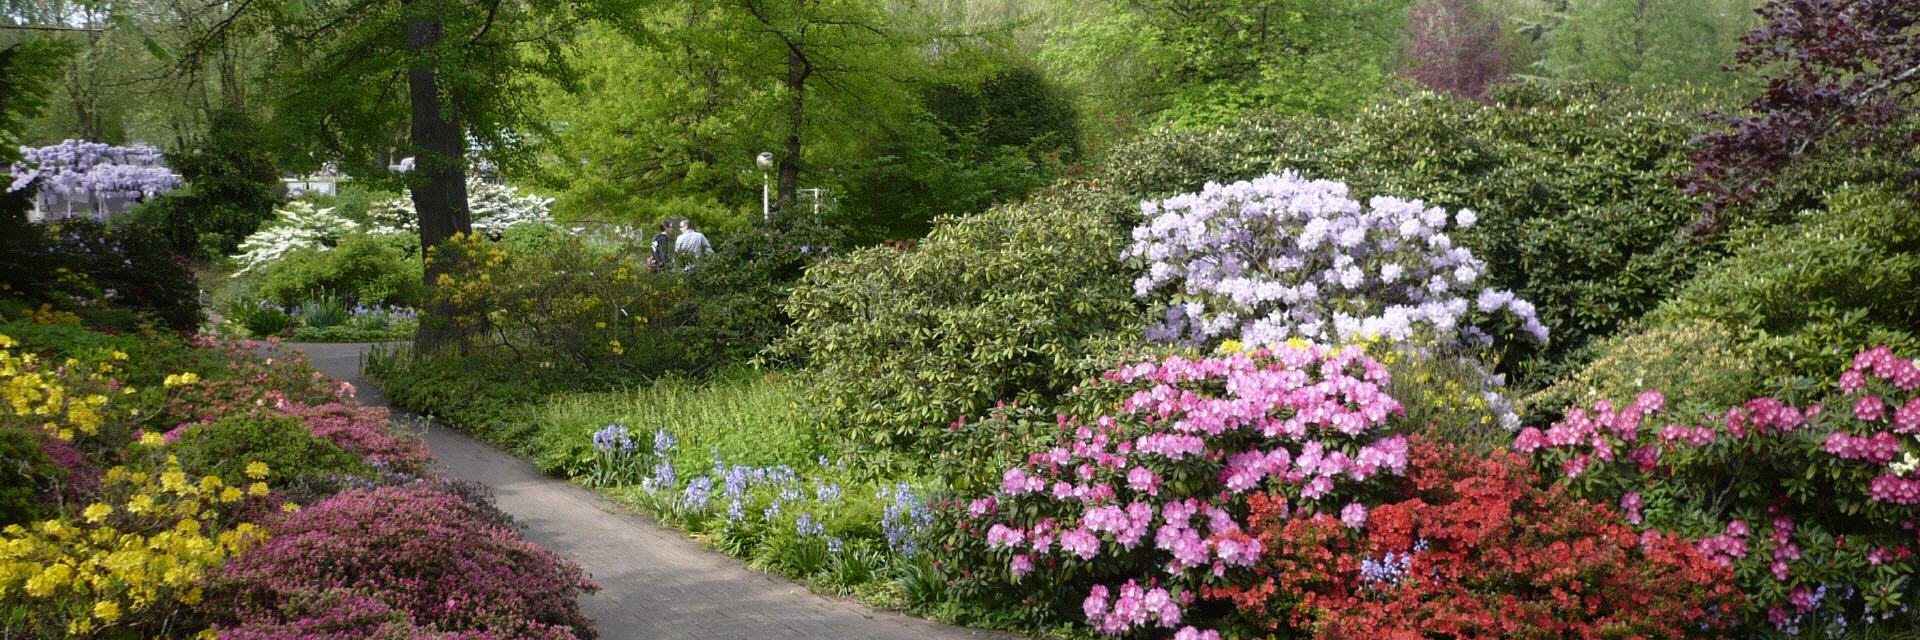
(1456, 47)
(1840, 73)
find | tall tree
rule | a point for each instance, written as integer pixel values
(1457, 47)
(362, 82)
(1843, 77)
(1648, 41)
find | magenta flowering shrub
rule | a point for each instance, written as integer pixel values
(340, 614)
(1282, 257)
(1133, 512)
(416, 550)
(362, 430)
(1816, 507)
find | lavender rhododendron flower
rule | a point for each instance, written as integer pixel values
(1282, 257)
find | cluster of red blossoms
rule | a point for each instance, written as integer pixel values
(1477, 549)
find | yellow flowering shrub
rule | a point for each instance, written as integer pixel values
(581, 306)
(1454, 394)
(131, 564)
(68, 400)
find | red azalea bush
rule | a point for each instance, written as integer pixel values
(1816, 510)
(1477, 550)
(416, 550)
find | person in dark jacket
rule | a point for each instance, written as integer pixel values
(662, 247)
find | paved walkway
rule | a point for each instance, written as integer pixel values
(655, 583)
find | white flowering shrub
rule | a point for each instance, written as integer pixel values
(1282, 257)
(298, 225)
(494, 209)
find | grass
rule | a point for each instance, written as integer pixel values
(745, 416)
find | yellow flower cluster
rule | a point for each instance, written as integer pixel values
(46, 314)
(180, 380)
(131, 562)
(35, 396)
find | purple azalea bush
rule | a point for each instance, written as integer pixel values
(1282, 257)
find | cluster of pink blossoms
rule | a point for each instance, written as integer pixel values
(1304, 421)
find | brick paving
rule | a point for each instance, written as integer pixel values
(655, 583)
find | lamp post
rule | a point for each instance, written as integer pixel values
(765, 162)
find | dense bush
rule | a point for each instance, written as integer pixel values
(231, 189)
(1001, 305)
(362, 269)
(1812, 504)
(28, 479)
(417, 550)
(225, 447)
(1708, 366)
(1475, 548)
(732, 307)
(583, 310)
(1572, 183)
(116, 277)
(1839, 281)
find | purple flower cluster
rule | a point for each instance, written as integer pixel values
(1282, 257)
(78, 170)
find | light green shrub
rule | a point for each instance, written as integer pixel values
(364, 269)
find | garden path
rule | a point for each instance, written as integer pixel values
(655, 583)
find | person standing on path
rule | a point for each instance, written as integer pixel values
(662, 247)
(692, 244)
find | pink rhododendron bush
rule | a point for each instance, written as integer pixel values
(1814, 504)
(1132, 518)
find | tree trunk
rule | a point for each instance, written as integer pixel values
(789, 184)
(439, 181)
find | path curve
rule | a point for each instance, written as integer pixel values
(655, 583)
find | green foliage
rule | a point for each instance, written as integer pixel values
(110, 276)
(585, 310)
(266, 321)
(749, 417)
(364, 269)
(732, 307)
(1814, 293)
(231, 189)
(1169, 62)
(1647, 43)
(225, 447)
(1701, 364)
(1005, 304)
(27, 478)
(1572, 183)
(324, 311)
(482, 397)
(27, 72)
(987, 140)
(352, 200)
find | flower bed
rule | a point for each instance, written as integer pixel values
(183, 530)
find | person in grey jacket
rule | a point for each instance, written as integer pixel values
(691, 243)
